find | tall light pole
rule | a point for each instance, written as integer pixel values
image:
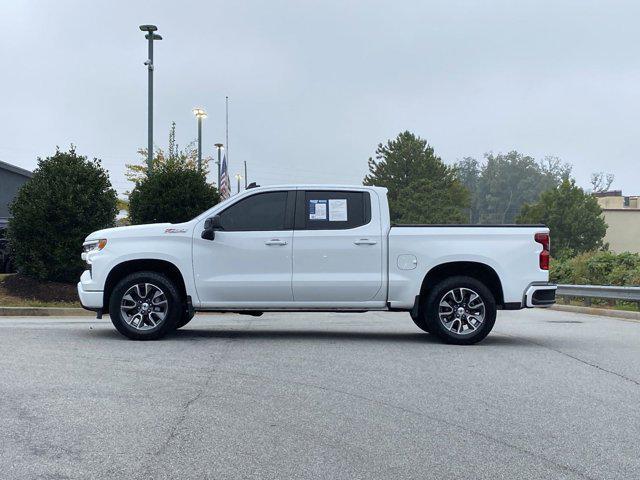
(219, 146)
(150, 36)
(238, 177)
(200, 114)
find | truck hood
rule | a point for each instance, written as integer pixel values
(147, 230)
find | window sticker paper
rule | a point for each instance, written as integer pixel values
(338, 210)
(317, 209)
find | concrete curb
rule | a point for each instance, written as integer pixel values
(44, 312)
(59, 312)
(603, 312)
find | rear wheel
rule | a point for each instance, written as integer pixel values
(145, 306)
(460, 310)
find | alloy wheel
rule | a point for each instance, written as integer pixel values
(144, 306)
(461, 311)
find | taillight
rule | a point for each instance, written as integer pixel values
(543, 239)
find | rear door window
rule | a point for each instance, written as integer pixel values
(332, 210)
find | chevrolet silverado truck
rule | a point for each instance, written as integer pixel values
(314, 248)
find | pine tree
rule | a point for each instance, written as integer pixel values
(421, 188)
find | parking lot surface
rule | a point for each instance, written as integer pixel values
(328, 396)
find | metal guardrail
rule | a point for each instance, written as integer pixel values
(607, 292)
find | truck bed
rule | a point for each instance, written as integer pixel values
(492, 225)
(509, 250)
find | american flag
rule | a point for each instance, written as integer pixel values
(225, 186)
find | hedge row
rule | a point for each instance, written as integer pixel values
(598, 268)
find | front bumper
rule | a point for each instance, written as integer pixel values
(89, 299)
(540, 295)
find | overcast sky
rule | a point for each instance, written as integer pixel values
(315, 86)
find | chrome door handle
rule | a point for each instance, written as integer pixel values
(275, 241)
(365, 241)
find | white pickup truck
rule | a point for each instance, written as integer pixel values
(314, 248)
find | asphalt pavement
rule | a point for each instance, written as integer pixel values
(548, 395)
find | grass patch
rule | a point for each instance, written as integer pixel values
(599, 303)
(19, 291)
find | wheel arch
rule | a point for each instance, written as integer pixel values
(127, 267)
(480, 271)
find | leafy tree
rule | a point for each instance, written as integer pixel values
(573, 216)
(505, 182)
(188, 156)
(174, 193)
(468, 171)
(554, 170)
(67, 198)
(601, 182)
(422, 189)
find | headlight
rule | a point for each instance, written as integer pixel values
(93, 245)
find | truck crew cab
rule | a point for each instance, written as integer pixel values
(314, 248)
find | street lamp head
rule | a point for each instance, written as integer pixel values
(218, 145)
(238, 176)
(199, 112)
(148, 28)
(155, 36)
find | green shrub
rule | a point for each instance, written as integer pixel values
(173, 193)
(573, 217)
(597, 268)
(560, 271)
(67, 198)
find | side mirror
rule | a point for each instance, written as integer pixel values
(211, 224)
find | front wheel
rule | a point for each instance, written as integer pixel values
(460, 310)
(145, 306)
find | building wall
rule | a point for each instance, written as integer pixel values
(618, 201)
(10, 182)
(623, 232)
(611, 202)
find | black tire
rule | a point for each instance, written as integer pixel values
(472, 335)
(173, 307)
